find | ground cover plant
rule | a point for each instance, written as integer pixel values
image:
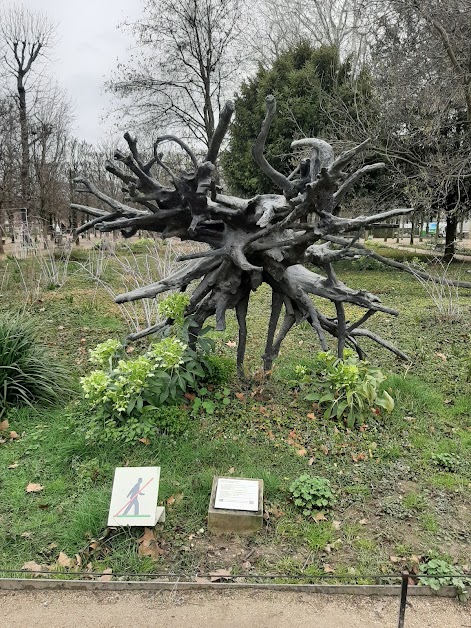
(402, 480)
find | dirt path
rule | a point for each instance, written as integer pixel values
(224, 609)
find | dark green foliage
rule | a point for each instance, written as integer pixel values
(311, 494)
(307, 83)
(441, 574)
(222, 369)
(28, 372)
(152, 423)
(446, 461)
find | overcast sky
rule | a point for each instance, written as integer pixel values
(88, 46)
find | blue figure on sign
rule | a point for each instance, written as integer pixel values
(134, 494)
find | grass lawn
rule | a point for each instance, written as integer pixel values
(397, 503)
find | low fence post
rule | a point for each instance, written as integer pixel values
(402, 606)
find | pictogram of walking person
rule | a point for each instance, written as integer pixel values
(134, 498)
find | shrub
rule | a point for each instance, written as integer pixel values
(311, 494)
(166, 420)
(221, 369)
(347, 388)
(28, 372)
(130, 396)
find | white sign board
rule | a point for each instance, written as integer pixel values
(237, 494)
(134, 497)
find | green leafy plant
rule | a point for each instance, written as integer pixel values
(440, 574)
(145, 426)
(106, 353)
(208, 401)
(128, 394)
(174, 307)
(364, 262)
(29, 374)
(222, 369)
(346, 389)
(312, 494)
(445, 461)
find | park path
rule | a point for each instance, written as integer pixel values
(222, 609)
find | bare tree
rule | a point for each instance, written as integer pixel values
(184, 66)
(278, 25)
(10, 164)
(49, 128)
(421, 61)
(26, 36)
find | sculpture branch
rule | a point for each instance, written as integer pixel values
(265, 239)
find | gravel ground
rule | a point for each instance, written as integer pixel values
(224, 609)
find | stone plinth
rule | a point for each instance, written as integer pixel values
(236, 506)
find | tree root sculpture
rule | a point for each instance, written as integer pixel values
(266, 239)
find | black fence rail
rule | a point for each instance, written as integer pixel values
(175, 579)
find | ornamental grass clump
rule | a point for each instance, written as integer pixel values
(29, 374)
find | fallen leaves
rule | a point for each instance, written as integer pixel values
(148, 545)
(272, 510)
(4, 426)
(359, 457)
(144, 441)
(319, 516)
(34, 488)
(33, 566)
(13, 465)
(231, 344)
(174, 499)
(220, 575)
(240, 396)
(106, 577)
(328, 568)
(442, 356)
(13, 435)
(65, 561)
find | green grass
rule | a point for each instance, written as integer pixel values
(394, 498)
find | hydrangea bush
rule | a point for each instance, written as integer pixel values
(130, 396)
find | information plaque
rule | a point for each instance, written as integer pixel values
(237, 494)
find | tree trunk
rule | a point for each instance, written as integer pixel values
(25, 161)
(2, 251)
(11, 226)
(450, 237)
